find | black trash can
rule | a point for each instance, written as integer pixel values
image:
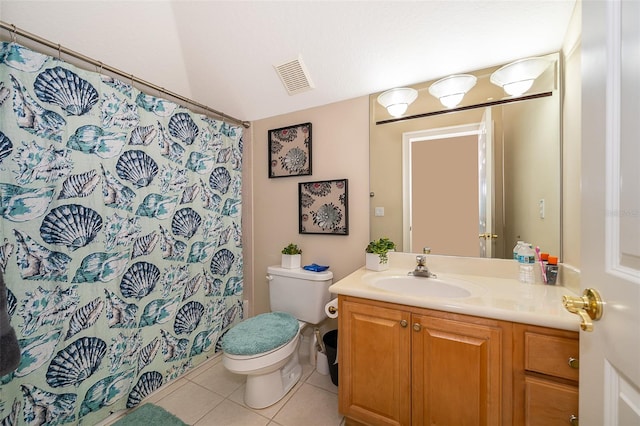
(330, 340)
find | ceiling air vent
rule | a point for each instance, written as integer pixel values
(294, 76)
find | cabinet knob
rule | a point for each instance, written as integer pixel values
(403, 323)
(417, 326)
(574, 362)
(573, 420)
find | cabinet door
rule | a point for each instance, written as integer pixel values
(374, 352)
(548, 403)
(457, 372)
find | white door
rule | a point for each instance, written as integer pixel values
(610, 355)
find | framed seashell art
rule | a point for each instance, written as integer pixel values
(324, 207)
(290, 151)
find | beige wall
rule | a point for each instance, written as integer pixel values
(340, 149)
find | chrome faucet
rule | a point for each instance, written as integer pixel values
(421, 268)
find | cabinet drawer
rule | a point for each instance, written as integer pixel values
(550, 355)
(548, 403)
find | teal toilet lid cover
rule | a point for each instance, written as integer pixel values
(261, 333)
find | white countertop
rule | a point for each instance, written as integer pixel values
(492, 297)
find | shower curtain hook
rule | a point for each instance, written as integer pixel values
(13, 33)
(131, 77)
(100, 69)
(59, 53)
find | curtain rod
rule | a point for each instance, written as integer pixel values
(61, 49)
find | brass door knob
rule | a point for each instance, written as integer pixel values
(403, 323)
(589, 307)
(417, 326)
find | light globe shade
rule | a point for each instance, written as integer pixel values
(451, 101)
(517, 77)
(397, 100)
(517, 88)
(450, 90)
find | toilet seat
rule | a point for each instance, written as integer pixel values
(260, 363)
(261, 334)
(260, 355)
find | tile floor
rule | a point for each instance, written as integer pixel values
(211, 396)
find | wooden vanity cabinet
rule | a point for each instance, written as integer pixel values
(374, 363)
(401, 365)
(545, 376)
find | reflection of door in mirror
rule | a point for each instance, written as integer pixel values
(448, 196)
(486, 225)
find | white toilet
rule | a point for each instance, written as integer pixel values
(265, 347)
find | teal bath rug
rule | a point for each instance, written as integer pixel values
(150, 414)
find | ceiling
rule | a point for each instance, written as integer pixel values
(222, 53)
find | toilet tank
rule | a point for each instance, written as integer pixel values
(299, 292)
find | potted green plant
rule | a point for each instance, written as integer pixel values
(291, 256)
(376, 254)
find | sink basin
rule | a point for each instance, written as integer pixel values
(450, 288)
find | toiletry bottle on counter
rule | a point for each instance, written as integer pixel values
(516, 249)
(526, 259)
(552, 270)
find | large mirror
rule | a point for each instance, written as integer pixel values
(472, 180)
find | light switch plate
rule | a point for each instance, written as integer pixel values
(379, 211)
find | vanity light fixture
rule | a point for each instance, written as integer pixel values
(518, 77)
(450, 90)
(397, 100)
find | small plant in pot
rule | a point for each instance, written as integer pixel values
(376, 257)
(291, 256)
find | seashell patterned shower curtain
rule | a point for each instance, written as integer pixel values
(120, 239)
